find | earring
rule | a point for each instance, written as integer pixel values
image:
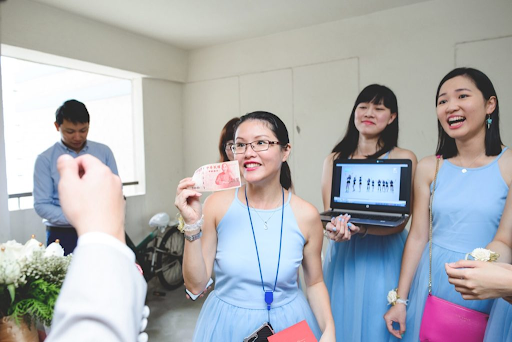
(489, 121)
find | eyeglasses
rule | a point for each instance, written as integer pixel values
(229, 146)
(257, 146)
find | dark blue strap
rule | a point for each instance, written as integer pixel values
(269, 295)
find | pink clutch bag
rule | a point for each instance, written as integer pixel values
(444, 321)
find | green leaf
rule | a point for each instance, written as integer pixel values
(12, 290)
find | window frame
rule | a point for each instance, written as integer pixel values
(137, 112)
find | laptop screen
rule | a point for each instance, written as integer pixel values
(382, 185)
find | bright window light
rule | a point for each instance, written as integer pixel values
(31, 94)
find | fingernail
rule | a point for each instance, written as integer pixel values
(349, 224)
(342, 221)
(333, 229)
(339, 218)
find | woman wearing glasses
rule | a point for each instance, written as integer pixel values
(363, 262)
(255, 238)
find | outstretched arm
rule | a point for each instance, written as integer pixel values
(103, 295)
(480, 279)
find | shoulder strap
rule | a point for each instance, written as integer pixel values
(438, 157)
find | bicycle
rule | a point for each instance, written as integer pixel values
(161, 252)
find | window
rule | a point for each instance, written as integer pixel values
(31, 94)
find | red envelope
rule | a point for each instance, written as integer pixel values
(300, 332)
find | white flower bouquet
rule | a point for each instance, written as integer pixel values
(30, 279)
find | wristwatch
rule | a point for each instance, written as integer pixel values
(194, 237)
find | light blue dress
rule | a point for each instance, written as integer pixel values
(237, 307)
(499, 327)
(358, 274)
(466, 213)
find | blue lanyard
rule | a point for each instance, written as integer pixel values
(269, 295)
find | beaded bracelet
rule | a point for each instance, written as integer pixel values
(184, 227)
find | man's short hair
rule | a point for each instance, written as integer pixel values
(73, 111)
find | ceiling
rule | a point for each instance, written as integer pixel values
(193, 24)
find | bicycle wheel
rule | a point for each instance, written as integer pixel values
(170, 258)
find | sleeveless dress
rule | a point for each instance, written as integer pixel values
(359, 274)
(237, 307)
(499, 327)
(467, 210)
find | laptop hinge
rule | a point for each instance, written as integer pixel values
(366, 212)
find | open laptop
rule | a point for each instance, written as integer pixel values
(375, 192)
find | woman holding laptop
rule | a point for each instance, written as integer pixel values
(363, 262)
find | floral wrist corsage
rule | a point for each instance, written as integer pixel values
(183, 227)
(394, 298)
(482, 254)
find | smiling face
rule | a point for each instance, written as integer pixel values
(462, 109)
(371, 119)
(263, 166)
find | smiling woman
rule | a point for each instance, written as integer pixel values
(475, 173)
(254, 240)
(363, 255)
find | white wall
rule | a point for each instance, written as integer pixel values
(163, 150)
(35, 26)
(5, 226)
(408, 49)
(495, 56)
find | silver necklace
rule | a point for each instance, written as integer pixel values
(265, 223)
(465, 169)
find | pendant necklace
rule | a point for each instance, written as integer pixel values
(265, 223)
(465, 169)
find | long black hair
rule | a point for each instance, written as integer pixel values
(278, 127)
(445, 144)
(376, 94)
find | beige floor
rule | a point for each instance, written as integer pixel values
(173, 316)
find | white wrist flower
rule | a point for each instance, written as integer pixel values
(394, 298)
(482, 254)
